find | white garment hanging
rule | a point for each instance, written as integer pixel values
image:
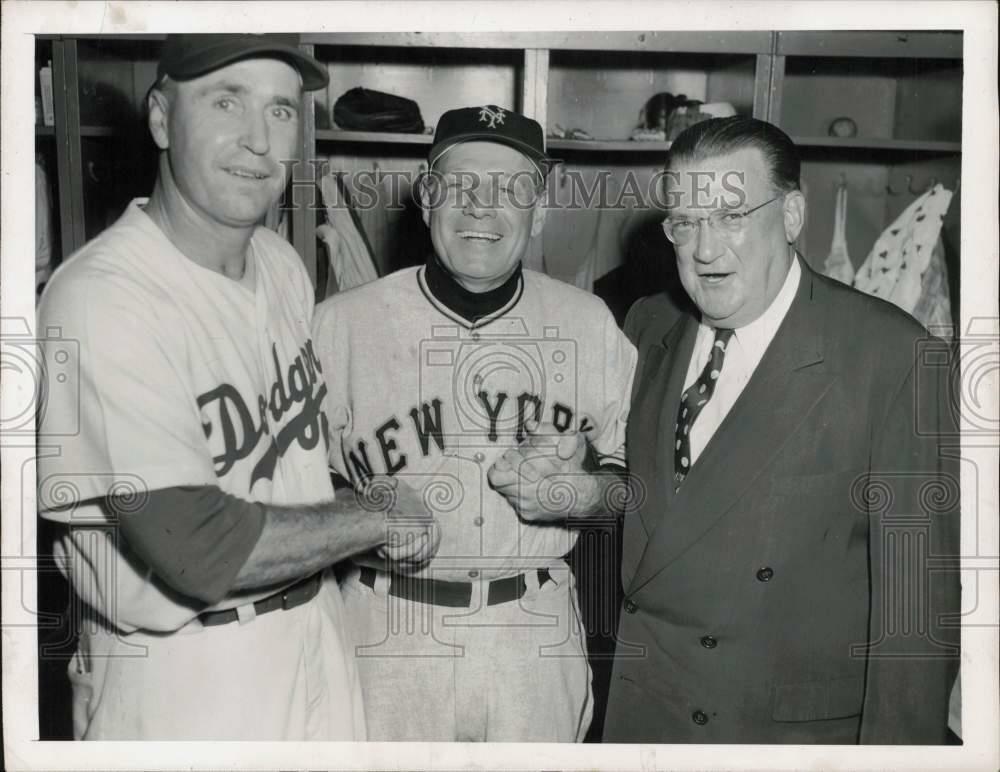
(44, 236)
(933, 309)
(895, 267)
(838, 263)
(350, 259)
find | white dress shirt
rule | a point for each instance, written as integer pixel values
(743, 354)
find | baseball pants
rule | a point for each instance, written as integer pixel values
(515, 671)
(285, 675)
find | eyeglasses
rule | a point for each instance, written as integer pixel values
(724, 222)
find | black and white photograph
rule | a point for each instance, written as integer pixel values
(464, 385)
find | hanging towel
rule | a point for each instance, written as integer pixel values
(838, 263)
(933, 309)
(350, 255)
(906, 266)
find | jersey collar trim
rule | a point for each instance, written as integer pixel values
(454, 316)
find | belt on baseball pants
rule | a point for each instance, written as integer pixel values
(288, 598)
(437, 592)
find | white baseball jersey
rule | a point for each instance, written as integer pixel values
(187, 377)
(434, 400)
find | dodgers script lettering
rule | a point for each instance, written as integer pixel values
(290, 410)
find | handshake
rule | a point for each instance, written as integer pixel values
(542, 478)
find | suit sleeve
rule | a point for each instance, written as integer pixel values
(914, 547)
(635, 320)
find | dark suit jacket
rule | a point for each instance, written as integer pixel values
(822, 515)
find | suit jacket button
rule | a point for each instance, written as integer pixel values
(699, 717)
(709, 642)
(630, 606)
(764, 574)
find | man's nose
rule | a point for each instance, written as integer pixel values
(478, 203)
(708, 246)
(257, 135)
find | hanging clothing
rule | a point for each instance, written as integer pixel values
(44, 235)
(838, 263)
(906, 266)
(350, 256)
(933, 309)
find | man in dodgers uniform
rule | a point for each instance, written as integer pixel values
(190, 465)
(443, 372)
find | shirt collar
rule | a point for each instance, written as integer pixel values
(759, 333)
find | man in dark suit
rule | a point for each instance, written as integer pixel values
(790, 575)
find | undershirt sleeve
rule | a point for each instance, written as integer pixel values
(196, 538)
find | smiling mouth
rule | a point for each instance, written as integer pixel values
(482, 236)
(247, 174)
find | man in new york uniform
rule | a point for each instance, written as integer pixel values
(485, 386)
(198, 511)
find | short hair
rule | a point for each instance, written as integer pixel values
(722, 136)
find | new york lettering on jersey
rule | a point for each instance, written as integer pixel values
(423, 428)
(469, 392)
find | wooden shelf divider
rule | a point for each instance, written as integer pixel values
(372, 137)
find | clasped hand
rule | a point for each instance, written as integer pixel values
(543, 477)
(412, 535)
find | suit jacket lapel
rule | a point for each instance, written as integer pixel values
(655, 405)
(789, 381)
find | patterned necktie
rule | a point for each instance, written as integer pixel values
(694, 399)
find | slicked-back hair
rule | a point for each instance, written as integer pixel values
(722, 136)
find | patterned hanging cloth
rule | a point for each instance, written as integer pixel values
(906, 266)
(838, 263)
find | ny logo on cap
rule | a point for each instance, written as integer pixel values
(494, 117)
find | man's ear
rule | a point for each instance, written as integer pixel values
(538, 216)
(159, 107)
(794, 215)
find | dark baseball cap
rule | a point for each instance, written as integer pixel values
(490, 123)
(192, 55)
